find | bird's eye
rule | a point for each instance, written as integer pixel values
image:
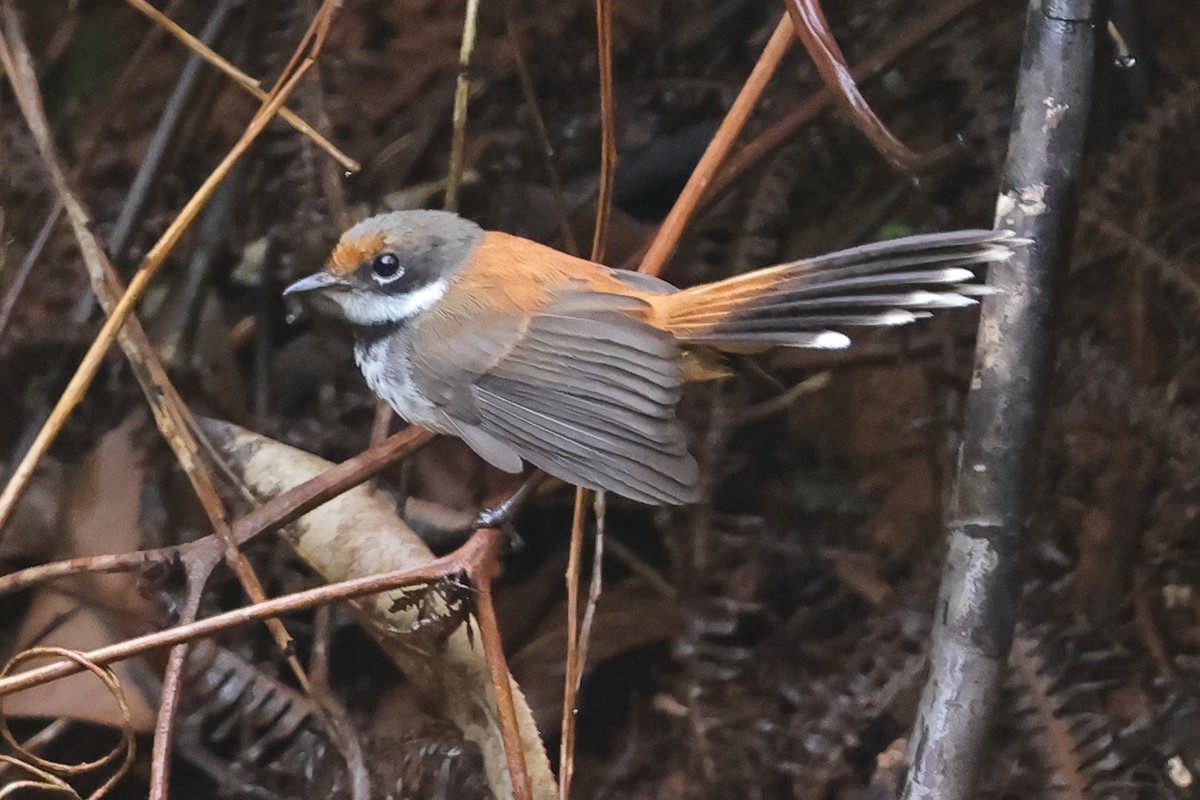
(386, 267)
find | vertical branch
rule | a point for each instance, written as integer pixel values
(462, 91)
(577, 633)
(482, 572)
(977, 605)
(566, 742)
(608, 128)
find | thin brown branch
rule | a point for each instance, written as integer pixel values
(151, 263)
(276, 512)
(242, 79)
(122, 753)
(608, 129)
(493, 648)
(722, 142)
(566, 745)
(172, 687)
(595, 586)
(912, 35)
(813, 30)
(170, 412)
(465, 559)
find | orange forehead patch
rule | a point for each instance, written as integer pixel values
(349, 253)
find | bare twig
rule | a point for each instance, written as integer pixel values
(672, 227)
(489, 633)
(276, 512)
(478, 547)
(814, 33)
(170, 412)
(153, 260)
(608, 129)
(577, 634)
(172, 686)
(26, 267)
(976, 609)
(911, 35)
(595, 586)
(122, 754)
(566, 745)
(245, 81)
(462, 93)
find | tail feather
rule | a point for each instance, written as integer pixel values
(803, 303)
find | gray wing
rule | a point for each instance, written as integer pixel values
(584, 389)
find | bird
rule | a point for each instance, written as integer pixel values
(529, 354)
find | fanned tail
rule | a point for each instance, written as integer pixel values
(806, 303)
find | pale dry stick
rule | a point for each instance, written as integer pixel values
(566, 745)
(577, 650)
(600, 511)
(313, 38)
(577, 645)
(245, 81)
(462, 89)
(672, 227)
(171, 413)
(150, 264)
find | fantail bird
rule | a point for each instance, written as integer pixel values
(527, 353)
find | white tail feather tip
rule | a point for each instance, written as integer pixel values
(831, 340)
(956, 275)
(936, 300)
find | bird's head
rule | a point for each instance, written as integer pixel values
(391, 267)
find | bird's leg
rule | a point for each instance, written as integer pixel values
(504, 511)
(444, 529)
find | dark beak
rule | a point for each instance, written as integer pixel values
(315, 282)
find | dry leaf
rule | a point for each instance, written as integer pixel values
(358, 534)
(102, 518)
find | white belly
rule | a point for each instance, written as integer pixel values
(388, 372)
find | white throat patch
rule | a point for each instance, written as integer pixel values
(361, 308)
